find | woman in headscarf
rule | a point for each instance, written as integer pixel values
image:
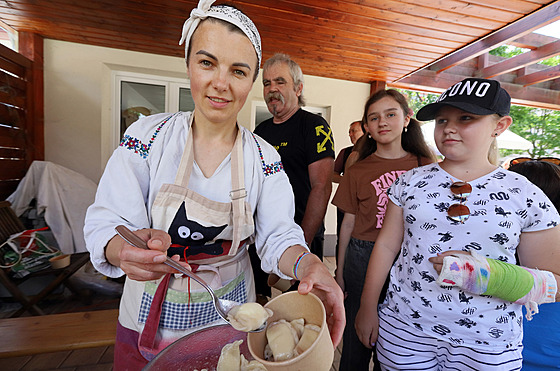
(198, 187)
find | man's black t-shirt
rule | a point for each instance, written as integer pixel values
(301, 140)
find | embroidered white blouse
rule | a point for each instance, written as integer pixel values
(148, 157)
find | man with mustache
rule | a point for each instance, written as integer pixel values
(305, 144)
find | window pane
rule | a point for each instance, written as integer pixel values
(8, 38)
(262, 114)
(139, 100)
(186, 102)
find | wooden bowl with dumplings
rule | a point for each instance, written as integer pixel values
(318, 352)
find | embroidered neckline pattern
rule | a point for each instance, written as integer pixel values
(136, 145)
(270, 169)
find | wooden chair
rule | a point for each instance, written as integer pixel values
(10, 224)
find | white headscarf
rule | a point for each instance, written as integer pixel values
(227, 14)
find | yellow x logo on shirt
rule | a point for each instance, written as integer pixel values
(322, 146)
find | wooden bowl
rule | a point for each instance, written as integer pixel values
(290, 306)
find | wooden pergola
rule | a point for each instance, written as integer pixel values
(418, 44)
(422, 45)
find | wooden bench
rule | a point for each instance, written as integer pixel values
(57, 332)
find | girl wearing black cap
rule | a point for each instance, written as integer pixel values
(455, 293)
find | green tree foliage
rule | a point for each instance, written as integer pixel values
(554, 61)
(507, 51)
(539, 126)
(417, 99)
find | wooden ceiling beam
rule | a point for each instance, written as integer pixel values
(520, 61)
(434, 82)
(532, 41)
(377, 85)
(482, 61)
(525, 25)
(540, 76)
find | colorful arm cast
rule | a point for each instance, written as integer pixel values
(483, 276)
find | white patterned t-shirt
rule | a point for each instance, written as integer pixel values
(502, 205)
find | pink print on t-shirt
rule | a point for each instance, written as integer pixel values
(381, 184)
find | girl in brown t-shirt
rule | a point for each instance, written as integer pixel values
(393, 144)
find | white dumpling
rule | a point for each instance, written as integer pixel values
(298, 325)
(310, 334)
(251, 366)
(282, 338)
(248, 317)
(230, 357)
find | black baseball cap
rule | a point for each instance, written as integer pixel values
(478, 96)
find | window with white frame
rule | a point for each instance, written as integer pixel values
(137, 95)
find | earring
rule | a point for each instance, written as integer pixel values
(495, 134)
(405, 129)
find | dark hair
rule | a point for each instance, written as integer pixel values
(412, 140)
(357, 122)
(544, 175)
(231, 27)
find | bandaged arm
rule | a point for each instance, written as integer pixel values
(483, 276)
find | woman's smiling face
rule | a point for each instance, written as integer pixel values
(220, 68)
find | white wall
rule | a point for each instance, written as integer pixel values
(78, 103)
(78, 100)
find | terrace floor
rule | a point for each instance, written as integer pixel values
(93, 359)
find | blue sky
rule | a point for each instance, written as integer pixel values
(552, 29)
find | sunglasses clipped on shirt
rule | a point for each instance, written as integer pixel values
(459, 212)
(519, 160)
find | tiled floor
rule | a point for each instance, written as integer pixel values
(93, 359)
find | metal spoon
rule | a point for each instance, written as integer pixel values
(222, 306)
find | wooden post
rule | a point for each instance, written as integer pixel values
(31, 46)
(376, 85)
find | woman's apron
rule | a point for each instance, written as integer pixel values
(211, 236)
